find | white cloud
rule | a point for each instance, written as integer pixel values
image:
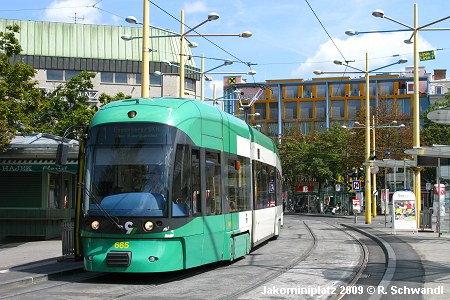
(195, 7)
(380, 48)
(218, 85)
(66, 10)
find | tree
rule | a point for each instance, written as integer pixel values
(67, 105)
(434, 133)
(322, 156)
(19, 96)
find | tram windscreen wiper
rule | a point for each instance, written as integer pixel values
(113, 220)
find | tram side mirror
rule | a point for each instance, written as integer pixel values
(61, 154)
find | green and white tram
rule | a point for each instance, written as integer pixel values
(219, 196)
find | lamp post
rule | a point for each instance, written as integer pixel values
(211, 17)
(367, 185)
(145, 79)
(416, 108)
(203, 73)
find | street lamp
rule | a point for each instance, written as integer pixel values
(204, 77)
(211, 17)
(392, 124)
(416, 109)
(367, 190)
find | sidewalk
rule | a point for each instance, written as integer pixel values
(27, 262)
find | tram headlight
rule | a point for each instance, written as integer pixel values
(132, 114)
(148, 225)
(95, 225)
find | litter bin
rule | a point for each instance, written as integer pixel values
(68, 241)
(425, 218)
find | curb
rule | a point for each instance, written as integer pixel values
(391, 259)
(31, 279)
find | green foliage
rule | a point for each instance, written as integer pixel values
(105, 99)
(67, 105)
(434, 133)
(19, 96)
(24, 107)
(322, 156)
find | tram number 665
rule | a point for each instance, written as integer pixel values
(121, 245)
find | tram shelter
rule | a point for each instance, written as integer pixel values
(36, 195)
(438, 157)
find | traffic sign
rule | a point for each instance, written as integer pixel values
(356, 185)
(426, 55)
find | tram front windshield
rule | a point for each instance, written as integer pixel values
(127, 167)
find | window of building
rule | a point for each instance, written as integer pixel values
(111, 77)
(354, 107)
(288, 128)
(321, 90)
(321, 109)
(273, 107)
(306, 111)
(291, 91)
(438, 90)
(121, 78)
(188, 83)
(338, 90)
(273, 129)
(261, 109)
(320, 126)
(290, 110)
(337, 109)
(61, 75)
(107, 77)
(307, 91)
(155, 80)
(274, 92)
(403, 106)
(386, 88)
(373, 88)
(402, 88)
(305, 128)
(355, 90)
(55, 75)
(68, 74)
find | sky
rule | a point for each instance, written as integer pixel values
(290, 39)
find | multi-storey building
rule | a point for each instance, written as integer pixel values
(314, 105)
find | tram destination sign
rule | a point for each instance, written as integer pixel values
(426, 55)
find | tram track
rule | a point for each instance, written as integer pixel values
(305, 240)
(295, 262)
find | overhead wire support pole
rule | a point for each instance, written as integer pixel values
(145, 84)
(181, 95)
(367, 190)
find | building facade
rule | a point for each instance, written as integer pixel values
(36, 195)
(315, 105)
(59, 51)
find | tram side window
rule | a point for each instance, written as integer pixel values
(196, 196)
(279, 189)
(238, 184)
(181, 182)
(271, 187)
(213, 183)
(261, 185)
